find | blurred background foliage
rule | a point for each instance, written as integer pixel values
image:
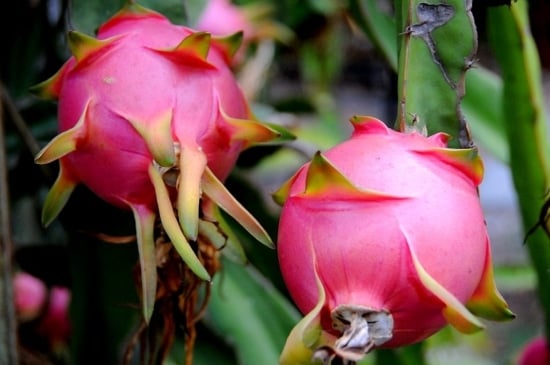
(334, 59)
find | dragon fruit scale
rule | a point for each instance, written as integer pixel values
(382, 242)
(152, 119)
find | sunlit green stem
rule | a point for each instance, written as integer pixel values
(438, 44)
(482, 113)
(527, 133)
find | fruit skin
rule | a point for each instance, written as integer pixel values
(254, 19)
(29, 295)
(144, 98)
(535, 352)
(390, 222)
(55, 324)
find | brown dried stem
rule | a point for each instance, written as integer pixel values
(8, 323)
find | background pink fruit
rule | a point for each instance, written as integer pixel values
(29, 295)
(382, 241)
(254, 19)
(234, 18)
(535, 352)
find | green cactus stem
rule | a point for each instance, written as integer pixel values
(484, 118)
(526, 129)
(438, 46)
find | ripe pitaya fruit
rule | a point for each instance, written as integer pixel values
(150, 114)
(382, 241)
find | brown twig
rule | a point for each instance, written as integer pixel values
(8, 324)
(22, 128)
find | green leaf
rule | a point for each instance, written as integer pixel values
(484, 113)
(408, 355)
(378, 25)
(526, 128)
(87, 16)
(104, 305)
(250, 313)
(326, 7)
(209, 349)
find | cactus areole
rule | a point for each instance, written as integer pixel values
(152, 119)
(381, 242)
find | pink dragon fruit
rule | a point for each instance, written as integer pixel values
(150, 113)
(29, 296)
(535, 352)
(382, 241)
